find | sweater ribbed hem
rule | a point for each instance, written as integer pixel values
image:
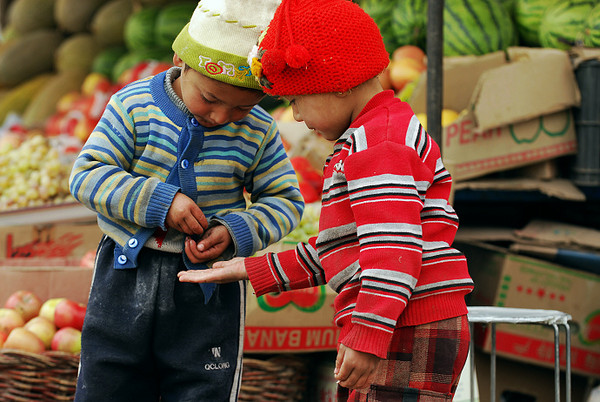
(434, 308)
(159, 204)
(368, 340)
(260, 275)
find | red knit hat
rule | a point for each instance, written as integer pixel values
(318, 46)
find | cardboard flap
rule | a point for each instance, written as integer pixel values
(461, 75)
(534, 85)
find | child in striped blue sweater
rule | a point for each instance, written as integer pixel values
(183, 168)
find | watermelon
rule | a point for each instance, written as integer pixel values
(409, 23)
(130, 59)
(528, 16)
(563, 23)
(107, 58)
(381, 12)
(591, 32)
(171, 19)
(139, 29)
(476, 27)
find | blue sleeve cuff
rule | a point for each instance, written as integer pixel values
(159, 204)
(241, 234)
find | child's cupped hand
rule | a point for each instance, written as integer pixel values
(186, 216)
(354, 369)
(212, 244)
(221, 272)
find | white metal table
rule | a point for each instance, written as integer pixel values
(492, 315)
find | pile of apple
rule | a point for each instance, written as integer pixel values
(29, 324)
(407, 63)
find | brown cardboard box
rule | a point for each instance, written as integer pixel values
(69, 242)
(512, 112)
(47, 282)
(293, 321)
(505, 279)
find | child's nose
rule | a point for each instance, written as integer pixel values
(219, 116)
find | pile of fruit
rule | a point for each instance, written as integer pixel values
(476, 27)
(60, 61)
(29, 324)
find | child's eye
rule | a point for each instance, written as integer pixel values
(207, 100)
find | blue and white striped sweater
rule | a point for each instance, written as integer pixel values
(145, 149)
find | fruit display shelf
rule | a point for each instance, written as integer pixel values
(70, 212)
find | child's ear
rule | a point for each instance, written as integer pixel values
(177, 60)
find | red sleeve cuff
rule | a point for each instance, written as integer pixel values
(368, 340)
(260, 275)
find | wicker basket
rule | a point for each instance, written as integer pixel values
(281, 378)
(26, 377)
(52, 376)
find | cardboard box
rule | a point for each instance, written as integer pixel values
(293, 321)
(47, 282)
(513, 112)
(505, 279)
(67, 242)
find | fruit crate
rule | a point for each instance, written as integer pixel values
(52, 376)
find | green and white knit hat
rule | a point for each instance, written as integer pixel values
(219, 36)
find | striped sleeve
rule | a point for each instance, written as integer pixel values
(100, 178)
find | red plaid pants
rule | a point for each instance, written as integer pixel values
(423, 364)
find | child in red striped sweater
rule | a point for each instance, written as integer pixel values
(386, 227)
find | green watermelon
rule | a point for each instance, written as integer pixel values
(527, 17)
(476, 27)
(139, 29)
(130, 59)
(171, 19)
(381, 12)
(105, 61)
(591, 32)
(409, 23)
(563, 23)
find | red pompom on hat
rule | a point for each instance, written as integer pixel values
(325, 45)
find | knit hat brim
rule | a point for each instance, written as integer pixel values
(222, 66)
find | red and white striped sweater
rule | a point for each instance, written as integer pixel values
(385, 232)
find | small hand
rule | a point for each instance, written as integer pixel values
(354, 369)
(221, 272)
(186, 216)
(212, 244)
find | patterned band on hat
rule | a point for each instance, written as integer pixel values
(226, 67)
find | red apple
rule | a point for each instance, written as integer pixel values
(42, 328)
(3, 336)
(22, 339)
(95, 82)
(404, 71)
(67, 101)
(69, 314)
(409, 51)
(48, 308)
(67, 339)
(84, 127)
(10, 319)
(24, 302)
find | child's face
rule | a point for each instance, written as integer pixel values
(213, 102)
(328, 114)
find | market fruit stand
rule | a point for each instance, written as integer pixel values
(48, 108)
